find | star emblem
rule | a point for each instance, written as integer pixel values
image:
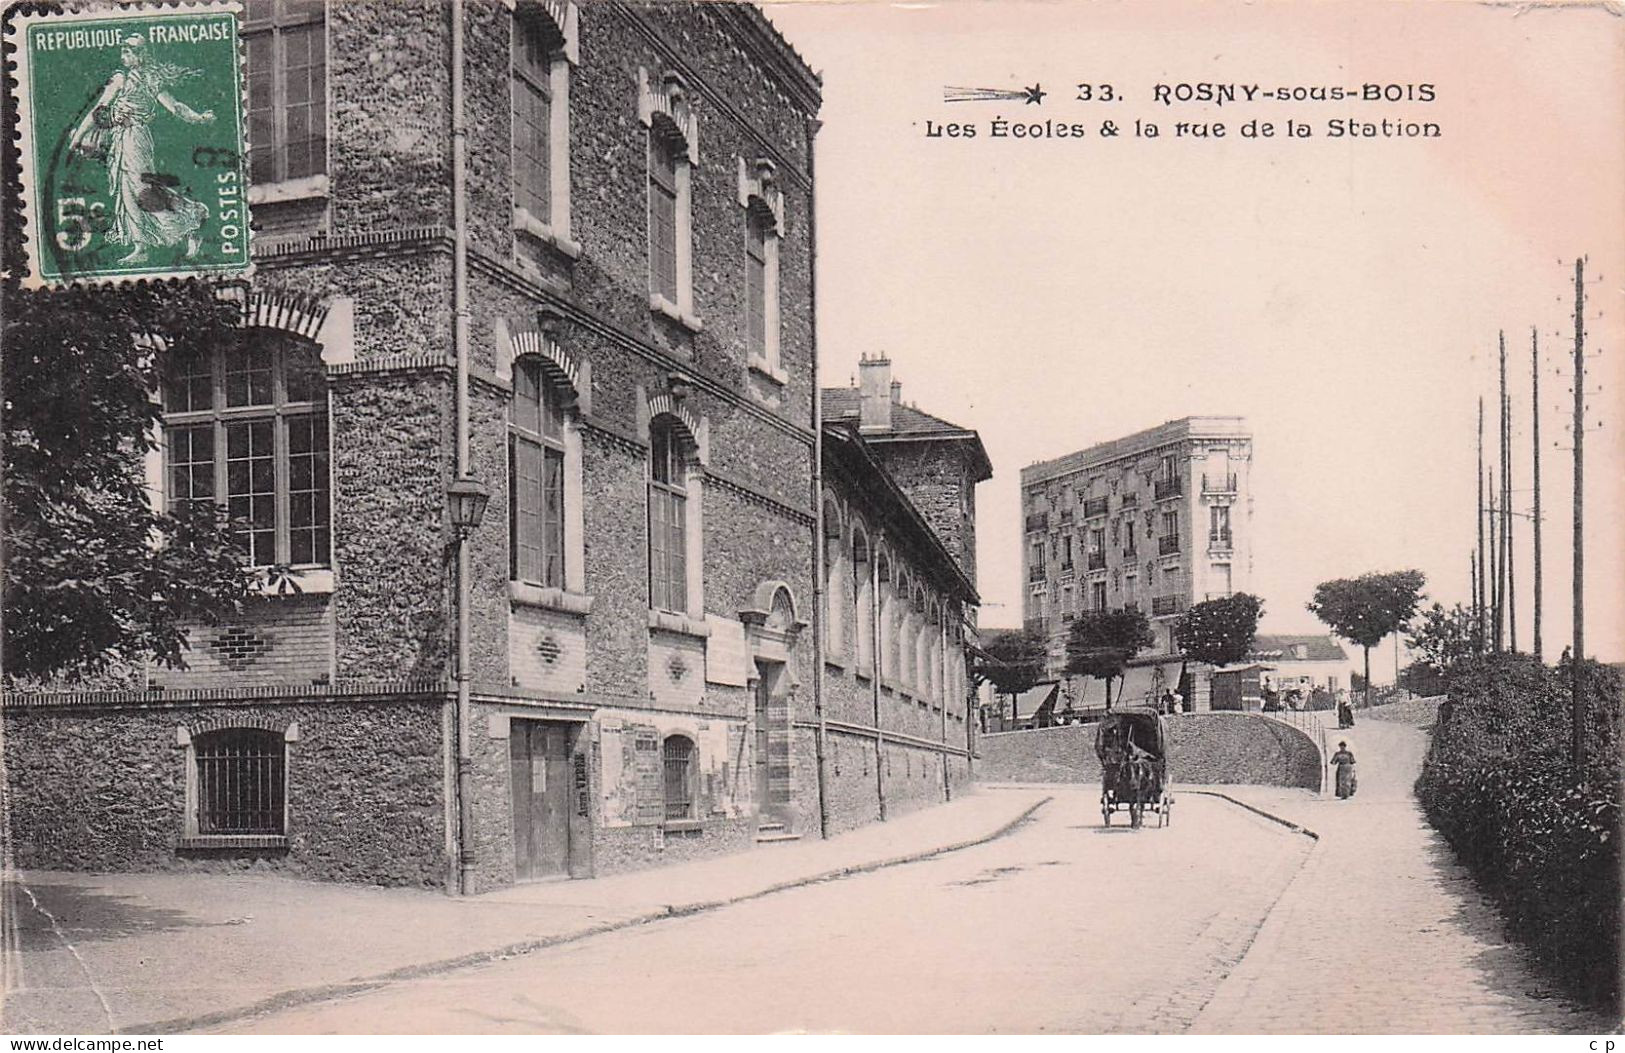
(1035, 95)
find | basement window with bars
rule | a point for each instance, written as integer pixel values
(678, 756)
(241, 783)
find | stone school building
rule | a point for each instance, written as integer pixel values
(623, 272)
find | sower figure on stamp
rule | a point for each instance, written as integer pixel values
(148, 210)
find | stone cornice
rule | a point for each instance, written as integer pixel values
(755, 496)
(274, 694)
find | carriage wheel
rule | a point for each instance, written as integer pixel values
(1136, 814)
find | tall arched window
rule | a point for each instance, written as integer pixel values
(677, 755)
(864, 601)
(668, 517)
(247, 428)
(886, 660)
(834, 583)
(536, 477)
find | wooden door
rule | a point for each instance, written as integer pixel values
(539, 765)
(764, 694)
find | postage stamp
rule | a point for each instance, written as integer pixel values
(133, 147)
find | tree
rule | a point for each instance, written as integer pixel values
(93, 573)
(1220, 631)
(1012, 661)
(1444, 639)
(1366, 609)
(1101, 643)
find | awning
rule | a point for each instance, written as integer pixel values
(1031, 700)
(1142, 685)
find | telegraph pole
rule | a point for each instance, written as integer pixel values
(1534, 424)
(1496, 576)
(1510, 560)
(1483, 598)
(1576, 692)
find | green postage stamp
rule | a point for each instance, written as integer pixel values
(133, 152)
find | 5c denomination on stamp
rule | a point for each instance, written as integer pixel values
(132, 144)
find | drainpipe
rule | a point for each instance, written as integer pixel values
(942, 694)
(820, 742)
(459, 285)
(879, 667)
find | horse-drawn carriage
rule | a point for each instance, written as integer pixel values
(1132, 744)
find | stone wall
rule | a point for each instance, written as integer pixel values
(104, 787)
(1205, 748)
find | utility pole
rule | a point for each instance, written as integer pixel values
(1510, 561)
(1495, 571)
(1478, 614)
(1483, 594)
(1576, 692)
(1534, 424)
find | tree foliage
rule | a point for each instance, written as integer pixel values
(1445, 638)
(1366, 609)
(1012, 661)
(94, 574)
(1101, 643)
(1220, 631)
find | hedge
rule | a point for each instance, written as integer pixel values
(1541, 838)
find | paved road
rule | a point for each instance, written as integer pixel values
(1382, 932)
(1062, 926)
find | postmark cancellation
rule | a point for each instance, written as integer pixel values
(133, 143)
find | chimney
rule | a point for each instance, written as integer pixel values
(897, 393)
(876, 393)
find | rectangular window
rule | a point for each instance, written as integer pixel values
(532, 117)
(1097, 595)
(248, 427)
(663, 217)
(756, 287)
(240, 782)
(287, 88)
(668, 572)
(1219, 523)
(536, 479)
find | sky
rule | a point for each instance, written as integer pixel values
(1344, 295)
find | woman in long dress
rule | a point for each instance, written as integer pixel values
(148, 209)
(1344, 762)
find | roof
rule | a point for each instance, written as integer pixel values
(1279, 648)
(907, 423)
(847, 451)
(1141, 442)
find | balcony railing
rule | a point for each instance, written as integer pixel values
(1131, 500)
(1097, 561)
(1219, 484)
(1130, 552)
(1168, 545)
(1164, 605)
(1034, 625)
(1035, 573)
(1094, 506)
(1219, 540)
(1038, 521)
(1066, 568)
(1168, 488)
(1066, 516)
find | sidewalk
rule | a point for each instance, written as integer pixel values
(1382, 932)
(93, 953)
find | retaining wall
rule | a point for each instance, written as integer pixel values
(1204, 748)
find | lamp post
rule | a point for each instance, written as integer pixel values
(465, 500)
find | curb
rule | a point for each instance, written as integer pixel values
(1289, 824)
(330, 992)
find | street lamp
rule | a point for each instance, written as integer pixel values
(468, 500)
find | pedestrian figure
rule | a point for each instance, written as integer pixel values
(1344, 760)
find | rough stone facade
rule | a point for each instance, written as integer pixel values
(585, 698)
(1204, 748)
